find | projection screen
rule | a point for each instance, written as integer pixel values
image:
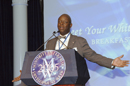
(105, 24)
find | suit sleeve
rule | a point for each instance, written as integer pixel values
(92, 56)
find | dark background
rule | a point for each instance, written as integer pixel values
(35, 35)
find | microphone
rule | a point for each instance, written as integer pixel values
(48, 39)
(56, 32)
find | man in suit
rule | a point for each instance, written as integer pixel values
(81, 45)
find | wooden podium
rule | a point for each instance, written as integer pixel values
(76, 69)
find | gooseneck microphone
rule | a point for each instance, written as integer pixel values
(48, 39)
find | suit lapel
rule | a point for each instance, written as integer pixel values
(71, 41)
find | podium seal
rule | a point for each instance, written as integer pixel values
(48, 68)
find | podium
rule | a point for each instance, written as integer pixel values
(76, 68)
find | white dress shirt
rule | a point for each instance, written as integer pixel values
(60, 45)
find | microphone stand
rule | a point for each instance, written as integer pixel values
(48, 39)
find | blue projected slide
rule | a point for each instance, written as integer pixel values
(105, 24)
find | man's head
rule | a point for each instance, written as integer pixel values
(64, 24)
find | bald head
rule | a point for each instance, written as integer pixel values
(67, 17)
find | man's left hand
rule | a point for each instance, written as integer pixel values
(120, 63)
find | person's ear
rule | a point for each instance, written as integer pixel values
(70, 25)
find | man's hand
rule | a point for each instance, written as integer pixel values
(17, 78)
(120, 63)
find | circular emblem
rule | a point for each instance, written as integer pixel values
(48, 68)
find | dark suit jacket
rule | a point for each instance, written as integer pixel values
(83, 49)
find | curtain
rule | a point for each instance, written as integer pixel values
(35, 25)
(6, 43)
(35, 36)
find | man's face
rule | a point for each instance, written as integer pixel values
(64, 24)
